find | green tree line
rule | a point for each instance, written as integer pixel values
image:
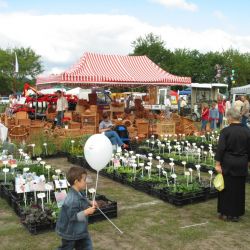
(202, 67)
(30, 65)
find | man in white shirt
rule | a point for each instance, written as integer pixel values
(183, 104)
(167, 104)
(61, 107)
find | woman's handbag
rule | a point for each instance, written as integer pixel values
(219, 182)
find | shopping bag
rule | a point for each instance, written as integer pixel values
(219, 182)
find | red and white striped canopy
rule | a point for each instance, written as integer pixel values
(96, 69)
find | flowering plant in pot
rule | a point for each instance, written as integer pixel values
(66, 121)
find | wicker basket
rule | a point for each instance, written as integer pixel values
(19, 133)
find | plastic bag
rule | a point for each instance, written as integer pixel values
(219, 182)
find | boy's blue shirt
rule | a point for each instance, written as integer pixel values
(72, 224)
(213, 113)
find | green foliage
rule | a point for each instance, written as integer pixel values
(183, 188)
(29, 67)
(39, 140)
(200, 66)
(75, 148)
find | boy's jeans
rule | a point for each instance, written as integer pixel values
(82, 244)
(213, 125)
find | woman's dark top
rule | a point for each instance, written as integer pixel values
(233, 151)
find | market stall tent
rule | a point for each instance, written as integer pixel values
(107, 70)
(241, 90)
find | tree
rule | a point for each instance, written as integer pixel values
(154, 48)
(202, 67)
(29, 67)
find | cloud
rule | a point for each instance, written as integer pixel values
(62, 39)
(3, 4)
(180, 4)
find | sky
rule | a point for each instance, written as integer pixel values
(62, 30)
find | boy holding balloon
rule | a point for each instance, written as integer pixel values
(72, 223)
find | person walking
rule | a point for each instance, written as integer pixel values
(232, 157)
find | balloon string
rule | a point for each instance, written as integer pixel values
(109, 220)
(97, 176)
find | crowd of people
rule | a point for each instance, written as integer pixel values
(213, 117)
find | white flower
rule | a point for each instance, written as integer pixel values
(92, 190)
(26, 170)
(48, 166)
(198, 167)
(174, 176)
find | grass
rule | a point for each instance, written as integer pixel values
(148, 223)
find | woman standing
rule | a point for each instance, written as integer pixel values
(232, 157)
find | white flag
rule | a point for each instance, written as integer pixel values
(16, 65)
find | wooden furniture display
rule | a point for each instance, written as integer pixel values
(21, 115)
(89, 123)
(143, 128)
(188, 126)
(74, 125)
(163, 128)
(116, 109)
(24, 122)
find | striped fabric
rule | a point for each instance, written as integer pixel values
(97, 69)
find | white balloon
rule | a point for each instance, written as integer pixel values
(98, 151)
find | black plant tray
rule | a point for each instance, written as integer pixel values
(36, 228)
(57, 155)
(110, 210)
(15, 200)
(147, 187)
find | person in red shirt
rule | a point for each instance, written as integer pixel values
(221, 109)
(204, 116)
